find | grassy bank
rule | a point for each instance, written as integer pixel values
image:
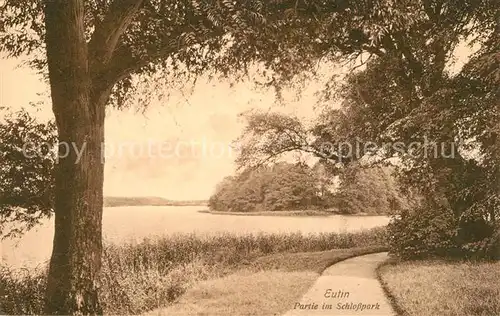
(431, 288)
(140, 277)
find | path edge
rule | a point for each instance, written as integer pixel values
(396, 306)
(370, 250)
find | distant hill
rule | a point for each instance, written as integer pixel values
(114, 201)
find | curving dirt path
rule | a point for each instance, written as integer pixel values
(349, 287)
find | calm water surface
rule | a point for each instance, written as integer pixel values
(122, 224)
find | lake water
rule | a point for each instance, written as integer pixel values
(122, 224)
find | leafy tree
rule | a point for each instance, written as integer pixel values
(28, 158)
(372, 190)
(453, 113)
(406, 94)
(281, 186)
(293, 187)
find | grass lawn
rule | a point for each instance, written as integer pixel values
(267, 286)
(243, 293)
(444, 288)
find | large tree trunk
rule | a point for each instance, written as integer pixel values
(76, 258)
(75, 264)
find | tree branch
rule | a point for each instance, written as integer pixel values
(107, 34)
(271, 156)
(125, 62)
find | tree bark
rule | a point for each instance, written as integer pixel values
(75, 264)
(72, 285)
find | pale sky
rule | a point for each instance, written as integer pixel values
(206, 120)
(194, 131)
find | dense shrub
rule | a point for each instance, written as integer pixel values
(486, 247)
(433, 231)
(22, 291)
(493, 245)
(423, 232)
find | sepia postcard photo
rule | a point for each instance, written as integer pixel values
(250, 157)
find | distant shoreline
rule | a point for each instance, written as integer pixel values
(158, 201)
(112, 201)
(298, 213)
